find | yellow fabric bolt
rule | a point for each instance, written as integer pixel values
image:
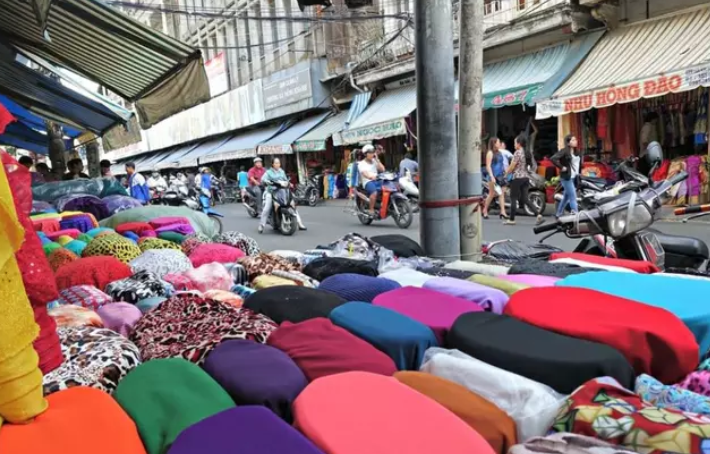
(506, 287)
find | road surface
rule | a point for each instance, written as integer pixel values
(331, 220)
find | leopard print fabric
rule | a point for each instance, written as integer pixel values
(266, 264)
(189, 327)
(240, 241)
(60, 257)
(94, 357)
(191, 242)
(146, 244)
(112, 245)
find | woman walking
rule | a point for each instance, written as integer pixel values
(496, 170)
(520, 184)
(567, 160)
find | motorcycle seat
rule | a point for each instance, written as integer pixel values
(682, 245)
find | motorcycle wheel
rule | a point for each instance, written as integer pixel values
(536, 199)
(288, 225)
(312, 197)
(217, 221)
(405, 218)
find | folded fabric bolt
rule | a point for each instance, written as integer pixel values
(355, 287)
(180, 282)
(114, 246)
(239, 241)
(401, 245)
(322, 268)
(120, 317)
(161, 262)
(669, 396)
(478, 268)
(533, 280)
(162, 412)
(156, 243)
(267, 281)
(135, 227)
(80, 223)
(638, 266)
(76, 246)
(591, 265)
(407, 277)
(149, 303)
(292, 303)
(243, 291)
(224, 296)
(94, 357)
(239, 273)
(297, 277)
(488, 298)
(328, 405)
(545, 268)
(183, 229)
(532, 405)
(72, 233)
(75, 316)
(64, 240)
(95, 271)
(141, 285)
(567, 443)
(265, 264)
(61, 257)
(133, 237)
(503, 285)
(173, 237)
(98, 230)
(209, 253)
(86, 296)
(172, 220)
(698, 382)
(211, 276)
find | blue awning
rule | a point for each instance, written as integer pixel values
(171, 161)
(31, 120)
(187, 156)
(281, 143)
(150, 164)
(241, 146)
(19, 135)
(50, 99)
(358, 106)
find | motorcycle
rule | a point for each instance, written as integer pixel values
(179, 195)
(536, 194)
(249, 201)
(619, 228)
(231, 192)
(283, 214)
(308, 192)
(390, 202)
(408, 184)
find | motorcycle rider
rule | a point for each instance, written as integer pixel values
(255, 175)
(274, 175)
(157, 183)
(408, 164)
(203, 181)
(369, 168)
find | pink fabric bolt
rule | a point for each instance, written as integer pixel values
(220, 253)
(533, 280)
(120, 317)
(74, 233)
(434, 309)
(183, 229)
(168, 220)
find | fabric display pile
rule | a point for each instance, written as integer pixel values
(166, 340)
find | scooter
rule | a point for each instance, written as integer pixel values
(308, 192)
(536, 194)
(619, 228)
(180, 195)
(249, 201)
(408, 184)
(283, 215)
(390, 202)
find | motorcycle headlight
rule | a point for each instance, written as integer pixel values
(626, 222)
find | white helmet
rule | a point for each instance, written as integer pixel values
(368, 149)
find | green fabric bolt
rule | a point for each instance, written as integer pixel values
(506, 287)
(172, 236)
(166, 396)
(51, 247)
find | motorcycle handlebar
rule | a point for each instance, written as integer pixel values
(677, 178)
(546, 228)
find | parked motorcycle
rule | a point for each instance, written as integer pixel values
(619, 228)
(308, 192)
(408, 184)
(179, 195)
(536, 194)
(283, 214)
(390, 202)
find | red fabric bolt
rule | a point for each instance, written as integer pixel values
(74, 233)
(135, 227)
(97, 271)
(220, 253)
(655, 341)
(634, 265)
(35, 269)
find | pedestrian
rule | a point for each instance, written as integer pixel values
(567, 160)
(44, 172)
(105, 166)
(496, 177)
(255, 174)
(137, 186)
(242, 180)
(520, 168)
(26, 161)
(76, 170)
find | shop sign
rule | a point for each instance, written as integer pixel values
(511, 98)
(216, 70)
(275, 149)
(674, 82)
(287, 90)
(374, 132)
(309, 145)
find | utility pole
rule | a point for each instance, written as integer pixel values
(436, 129)
(470, 120)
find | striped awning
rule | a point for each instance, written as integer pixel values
(315, 139)
(161, 75)
(653, 58)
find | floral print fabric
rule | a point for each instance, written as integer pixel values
(603, 409)
(565, 443)
(69, 316)
(190, 327)
(668, 396)
(697, 382)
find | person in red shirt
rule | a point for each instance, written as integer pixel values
(255, 175)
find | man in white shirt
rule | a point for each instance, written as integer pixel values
(368, 169)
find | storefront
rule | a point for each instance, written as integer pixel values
(632, 90)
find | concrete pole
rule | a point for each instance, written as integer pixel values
(470, 123)
(93, 155)
(436, 130)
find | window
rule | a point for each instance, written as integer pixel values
(492, 6)
(524, 4)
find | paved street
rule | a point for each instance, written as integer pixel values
(329, 221)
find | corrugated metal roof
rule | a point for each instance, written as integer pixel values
(110, 48)
(525, 70)
(240, 146)
(643, 50)
(314, 140)
(281, 143)
(390, 105)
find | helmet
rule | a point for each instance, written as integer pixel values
(257, 160)
(368, 149)
(654, 153)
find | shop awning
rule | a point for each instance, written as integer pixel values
(173, 159)
(19, 135)
(670, 54)
(204, 148)
(50, 99)
(281, 143)
(384, 118)
(161, 75)
(153, 160)
(240, 146)
(32, 120)
(316, 138)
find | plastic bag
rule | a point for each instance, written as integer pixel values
(512, 251)
(118, 203)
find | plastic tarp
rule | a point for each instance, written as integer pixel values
(199, 221)
(99, 187)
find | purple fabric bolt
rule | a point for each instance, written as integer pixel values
(243, 430)
(271, 379)
(80, 223)
(184, 229)
(120, 317)
(434, 309)
(490, 299)
(87, 204)
(532, 280)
